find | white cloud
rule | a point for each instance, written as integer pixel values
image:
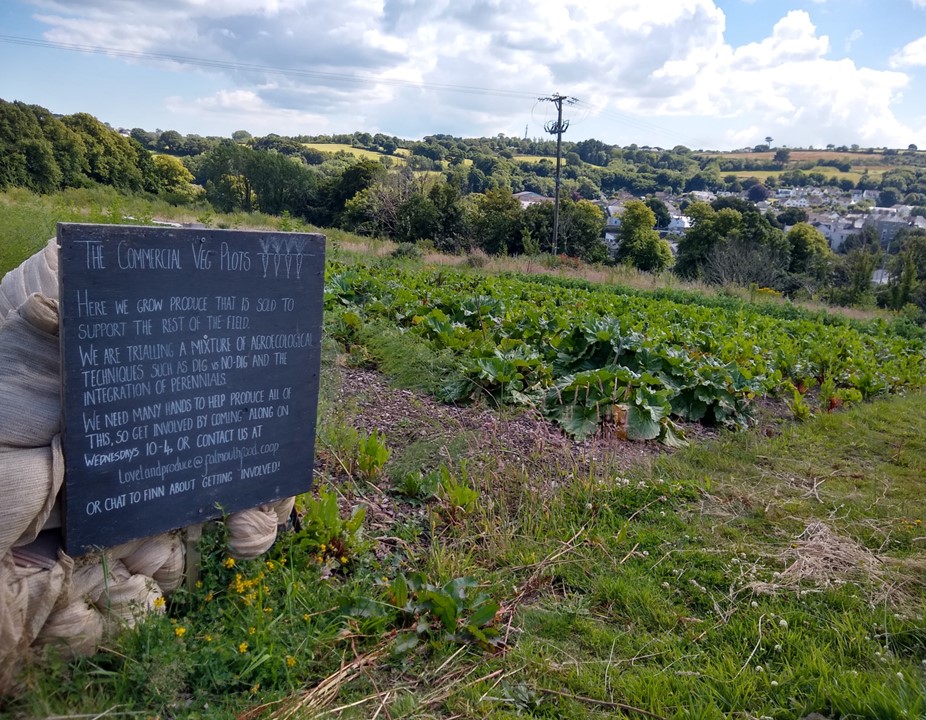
(245, 109)
(913, 53)
(390, 65)
(853, 38)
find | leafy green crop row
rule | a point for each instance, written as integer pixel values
(587, 355)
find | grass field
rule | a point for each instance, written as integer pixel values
(357, 152)
(533, 158)
(503, 571)
(827, 171)
(801, 156)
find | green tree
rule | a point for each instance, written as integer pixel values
(640, 245)
(173, 176)
(496, 221)
(782, 156)
(809, 250)
(889, 197)
(709, 227)
(660, 210)
(581, 230)
(225, 172)
(111, 158)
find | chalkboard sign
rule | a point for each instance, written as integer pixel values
(190, 374)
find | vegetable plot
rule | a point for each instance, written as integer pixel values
(590, 355)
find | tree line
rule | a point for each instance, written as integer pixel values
(457, 195)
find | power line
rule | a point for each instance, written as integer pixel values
(347, 78)
(270, 69)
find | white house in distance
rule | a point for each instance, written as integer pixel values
(528, 198)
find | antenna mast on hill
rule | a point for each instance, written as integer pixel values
(557, 127)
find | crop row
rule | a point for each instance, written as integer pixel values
(587, 355)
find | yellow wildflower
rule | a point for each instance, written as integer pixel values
(208, 638)
(290, 661)
(229, 562)
(270, 565)
(255, 689)
(343, 560)
(268, 610)
(306, 616)
(209, 596)
(199, 584)
(180, 631)
(243, 648)
(323, 547)
(252, 630)
(159, 602)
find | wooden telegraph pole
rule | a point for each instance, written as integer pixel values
(557, 127)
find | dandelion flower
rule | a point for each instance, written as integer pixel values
(290, 661)
(243, 648)
(252, 630)
(343, 560)
(180, 631)
(159, 602)
(229, 562)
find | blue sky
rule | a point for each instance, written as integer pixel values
(716, 74)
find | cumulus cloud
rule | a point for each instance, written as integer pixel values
(473, 66)
(912, 54)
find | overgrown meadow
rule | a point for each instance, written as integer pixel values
(637, 504)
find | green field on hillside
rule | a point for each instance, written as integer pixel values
(541, 497)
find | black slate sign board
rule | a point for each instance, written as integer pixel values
(190, 374)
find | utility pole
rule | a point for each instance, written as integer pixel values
(557, 127)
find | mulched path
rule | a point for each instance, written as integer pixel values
(519, 435)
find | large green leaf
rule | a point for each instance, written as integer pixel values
(640, 423)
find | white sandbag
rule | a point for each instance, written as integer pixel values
(283, 509)
(119, 552)
(251, 532)
(47, 590)
(27, 598)
(77, 627)
(56, 480)
(87, 583)
(29, 480)
(13, 288)
(151, 554)
(14, 604)
(30, 375)
(131, 599)
(37, 274)
(170, 575)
